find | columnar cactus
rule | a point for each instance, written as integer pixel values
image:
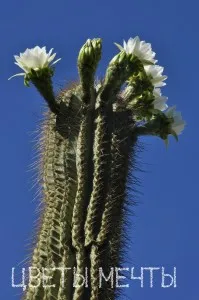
(88, 148)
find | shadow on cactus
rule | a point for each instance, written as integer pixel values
(88, 149)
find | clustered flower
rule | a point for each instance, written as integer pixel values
(143, 51)
(37, 62)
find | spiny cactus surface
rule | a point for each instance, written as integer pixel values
(88, 147)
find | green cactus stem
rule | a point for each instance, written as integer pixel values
(118, 71)
(54, 246)
(88, 149)
(42, 81)
(87, 63)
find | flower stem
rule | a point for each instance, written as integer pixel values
(44, 86)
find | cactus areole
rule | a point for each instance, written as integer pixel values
(88, 144)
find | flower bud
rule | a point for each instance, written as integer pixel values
(90, 53)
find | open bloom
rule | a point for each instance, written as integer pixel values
(159, 102)
(176, 121)
(155, 74)
(141, 49)
(36, 58)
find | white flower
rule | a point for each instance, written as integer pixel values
(155, 72)
(36, 58)
(159, 102)
(141, 49)
(177, 123)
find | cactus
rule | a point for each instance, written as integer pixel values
(88, 147)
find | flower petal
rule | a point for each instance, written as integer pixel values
(35, 58)
(56, 61)
(119, 46)
(19, 74)
(141, 49)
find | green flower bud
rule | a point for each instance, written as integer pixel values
(90, 53)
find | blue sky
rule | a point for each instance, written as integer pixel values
(164, 230)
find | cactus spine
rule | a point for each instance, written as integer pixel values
(88, 146)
